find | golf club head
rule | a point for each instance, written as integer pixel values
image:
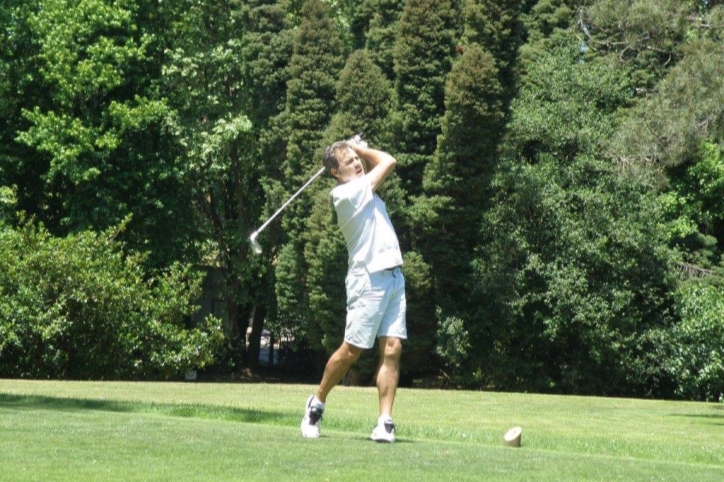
(255, 246)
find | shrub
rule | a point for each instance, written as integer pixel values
(80, 308)
(696, 356)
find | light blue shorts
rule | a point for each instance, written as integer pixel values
(376, 306)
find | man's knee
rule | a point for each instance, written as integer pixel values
(350, 353)
(390, 348)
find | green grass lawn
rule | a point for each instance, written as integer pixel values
(103, 431)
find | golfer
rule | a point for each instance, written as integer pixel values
(376, 304)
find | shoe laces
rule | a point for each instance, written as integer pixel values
(315, 415)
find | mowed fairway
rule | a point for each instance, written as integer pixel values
(103, 431)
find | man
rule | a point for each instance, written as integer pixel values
(376, 304)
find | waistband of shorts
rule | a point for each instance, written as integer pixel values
(390, 270)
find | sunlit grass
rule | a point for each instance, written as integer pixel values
(211, 432)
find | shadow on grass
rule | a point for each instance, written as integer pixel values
(35, 402)
(367, 440)
(710, 418)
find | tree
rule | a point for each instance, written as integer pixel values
(61, 300)
(692, 200)
(92, 125)
(669, 127)
(265, 51)
(457, 180)
(573, 268)
(317, 59)
(363, 96)
(498, 28)
(423, 54)
(381, 18)
(677, 133)
(696, 343)
(14, 53)
(646, 35)
(214, 147)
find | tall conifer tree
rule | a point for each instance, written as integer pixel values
(266, 52)
(266, 49)
(317, 59)
(457, 180)
(498, 28)
(382, 19)
(423, 56)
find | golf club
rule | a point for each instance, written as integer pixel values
(255, 246)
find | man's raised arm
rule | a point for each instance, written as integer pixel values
(379, 164)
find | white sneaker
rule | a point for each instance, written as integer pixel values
(312, 421)
(384, 431)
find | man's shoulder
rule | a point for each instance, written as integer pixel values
(349, 189)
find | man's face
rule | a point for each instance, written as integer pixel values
(350, 166)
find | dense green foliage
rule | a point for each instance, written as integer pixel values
(696, 359)
(558, 195)
(79, 308)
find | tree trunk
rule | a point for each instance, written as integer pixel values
(238, 321)
(257, 326)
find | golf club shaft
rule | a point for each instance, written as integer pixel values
(261, 228)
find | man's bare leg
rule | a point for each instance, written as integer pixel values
(337, 366)
(388, 373)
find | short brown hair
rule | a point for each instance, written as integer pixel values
(330, 159)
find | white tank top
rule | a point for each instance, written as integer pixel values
(364, 222)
